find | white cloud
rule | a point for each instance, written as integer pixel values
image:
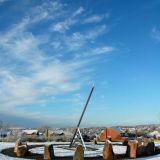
(15, 90)
(30, 72)
(2, 1)
(56, 78)
(51, 79)
(38, 76)
(155, 33)
(78, 11)
(21, 46)
(95, 52)
(63, 26)
(47, 10)
(93, 19)
(102, 50)
(13, 31)
(97, 31)
(77, 40)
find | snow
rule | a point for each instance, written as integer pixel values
(61, 151)
(153, 133)
(157, 144)
(4, 145)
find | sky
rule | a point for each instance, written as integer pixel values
(53, 51)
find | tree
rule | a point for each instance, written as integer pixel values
(43, 128)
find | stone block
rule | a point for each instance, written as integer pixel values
(146, 141)
(132, 149)
(150, 148)
(48, 152)
(108, 153)
(17, 144)
(79, 153)
(141, 150)
(21, 151)
(94, 141)
(139, 139)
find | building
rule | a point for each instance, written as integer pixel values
(154, 134)
(113, 134)
(30, 132)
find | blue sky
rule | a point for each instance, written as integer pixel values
(52, 52)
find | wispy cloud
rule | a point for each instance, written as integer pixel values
(96, 51)
(77, 40)
(97, 31)
(38, 76)
(155, 33)
(96, 18)
(20, 45)
(34, 66)
(2, 1)
(79, 11)
(57, 78)
(93, 19)
(63, 26)
(67, 22)
(45, 11)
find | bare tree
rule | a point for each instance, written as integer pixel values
(43, 128)
(4, 125)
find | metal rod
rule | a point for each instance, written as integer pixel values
(79, 122)
(82, 139)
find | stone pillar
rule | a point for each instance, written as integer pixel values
(46, 133)
(150, 148)
(146, 141)
(139, 139)
(132, 149)
(18, 143)
(79, 153)
(97, 138)
(108, 153)
(94, 141)
(125, 142)
(141, 150)
(48, 152)
(21, 151)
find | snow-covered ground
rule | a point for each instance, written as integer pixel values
(61, 151)
(4, 145)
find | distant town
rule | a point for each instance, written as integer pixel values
(46, 133)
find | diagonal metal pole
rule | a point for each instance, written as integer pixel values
(79, 122)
